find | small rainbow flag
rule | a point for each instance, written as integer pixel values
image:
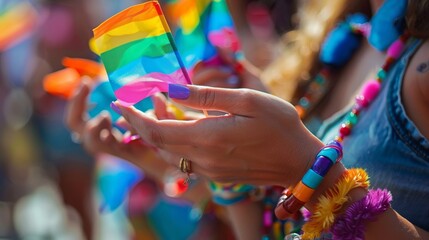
(17, 21)
(139, 53)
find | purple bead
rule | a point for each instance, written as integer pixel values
(268, 219)
(335, 143)
(322, 165)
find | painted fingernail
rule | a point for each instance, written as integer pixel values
(115, 108)
(178, 91)
(131, 138)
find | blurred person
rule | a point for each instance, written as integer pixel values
(65, 31)
(19, 153)
(262, 23)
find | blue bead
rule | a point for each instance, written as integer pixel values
(381, 74)
(339, 46)
(304, 102)
(388, 23)
(311, 179)
(357, 18)
(330, 153)
(322, 165)
(320, 79)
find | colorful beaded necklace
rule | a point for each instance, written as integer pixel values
(371, 89)
(336, 50)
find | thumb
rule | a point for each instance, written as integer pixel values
(234, 101)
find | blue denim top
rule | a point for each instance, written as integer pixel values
(389, 146)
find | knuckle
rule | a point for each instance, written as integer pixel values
(247, 100)
(206, 98)
(218, 140)
(156, 137)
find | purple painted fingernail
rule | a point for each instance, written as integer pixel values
(178, 91)
(115, 108)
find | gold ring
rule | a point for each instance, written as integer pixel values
(185, 167)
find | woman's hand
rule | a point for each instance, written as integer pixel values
(260, 140)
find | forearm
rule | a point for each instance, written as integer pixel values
(391, 225)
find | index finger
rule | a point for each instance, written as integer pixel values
(75, 109)
(173, 132)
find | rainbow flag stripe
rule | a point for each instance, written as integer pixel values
(17, 21)
(202, 26)
(139, 53)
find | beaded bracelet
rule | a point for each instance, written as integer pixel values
(292, 200)
(350, 225)
(329, 204)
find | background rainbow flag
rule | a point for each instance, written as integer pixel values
(139, 54)
(202, 26)
(17, 21)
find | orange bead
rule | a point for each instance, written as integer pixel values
(301, 111)
(302, 192)
(339, 139)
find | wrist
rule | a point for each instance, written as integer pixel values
(302, 193)
(305, 156)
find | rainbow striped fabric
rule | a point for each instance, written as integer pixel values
(17, 20)
(221, 32)
(139, 54)
(202, 26)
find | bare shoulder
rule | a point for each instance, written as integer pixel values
(415, 90)
(418, 71)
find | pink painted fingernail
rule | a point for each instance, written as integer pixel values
(131, 138)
